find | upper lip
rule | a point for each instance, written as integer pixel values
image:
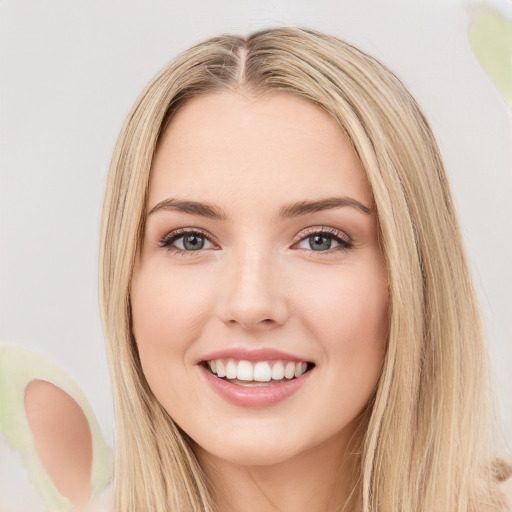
(253, 354)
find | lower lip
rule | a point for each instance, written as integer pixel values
(258, 396)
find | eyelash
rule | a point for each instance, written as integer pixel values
(335, 234)
(344, 242)
(168, 240)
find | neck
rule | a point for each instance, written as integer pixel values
(319, 480)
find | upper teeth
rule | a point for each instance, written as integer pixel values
(261, 371)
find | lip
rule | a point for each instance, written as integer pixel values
(257, 354)
(254, 397)
(258, 396)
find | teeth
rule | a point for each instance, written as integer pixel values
(244, 371)
(231, 370)
(221, 371)
(262, 371)
(300, 368)
(278, 371)
(289, 371)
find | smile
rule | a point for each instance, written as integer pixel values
(255, 378)
(257, 373)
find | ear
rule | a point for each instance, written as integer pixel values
(48, 421)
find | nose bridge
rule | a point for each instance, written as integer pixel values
(252, 296)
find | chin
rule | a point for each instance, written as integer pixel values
(265, 445)
(251, 453)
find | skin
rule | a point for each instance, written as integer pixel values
(256, 283)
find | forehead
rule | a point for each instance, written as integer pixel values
(232, 144)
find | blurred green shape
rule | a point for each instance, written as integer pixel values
(18, 367)
(490, 37)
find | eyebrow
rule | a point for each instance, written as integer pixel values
(303, 207)
(285, 212)
(193, 207)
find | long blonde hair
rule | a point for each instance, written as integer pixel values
(427, 446)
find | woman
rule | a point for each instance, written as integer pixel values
(290, 319)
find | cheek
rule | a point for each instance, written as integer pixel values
(348, 306)
(165, 305)
(348, 314)
(167, 313)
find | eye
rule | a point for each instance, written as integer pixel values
(186, 241)
(325, 240)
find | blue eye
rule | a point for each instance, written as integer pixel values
(325, 240)
(186, 241)
(320, 242)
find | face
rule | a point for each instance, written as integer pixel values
(259, 297)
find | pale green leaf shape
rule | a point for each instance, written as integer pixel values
(490, 37)
(18, 367)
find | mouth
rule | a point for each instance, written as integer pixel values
(257, 373)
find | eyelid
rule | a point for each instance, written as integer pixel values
(344, 242)
(313, 230)
(167, 240)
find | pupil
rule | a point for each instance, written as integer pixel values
(193, 242)
(319, 243)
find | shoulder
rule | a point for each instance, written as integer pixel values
(506, 488)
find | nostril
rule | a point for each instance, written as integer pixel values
(251, 324)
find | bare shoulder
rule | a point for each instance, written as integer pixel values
(506, 487)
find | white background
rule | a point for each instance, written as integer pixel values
(71, 69)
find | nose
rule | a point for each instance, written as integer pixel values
(252, 294)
